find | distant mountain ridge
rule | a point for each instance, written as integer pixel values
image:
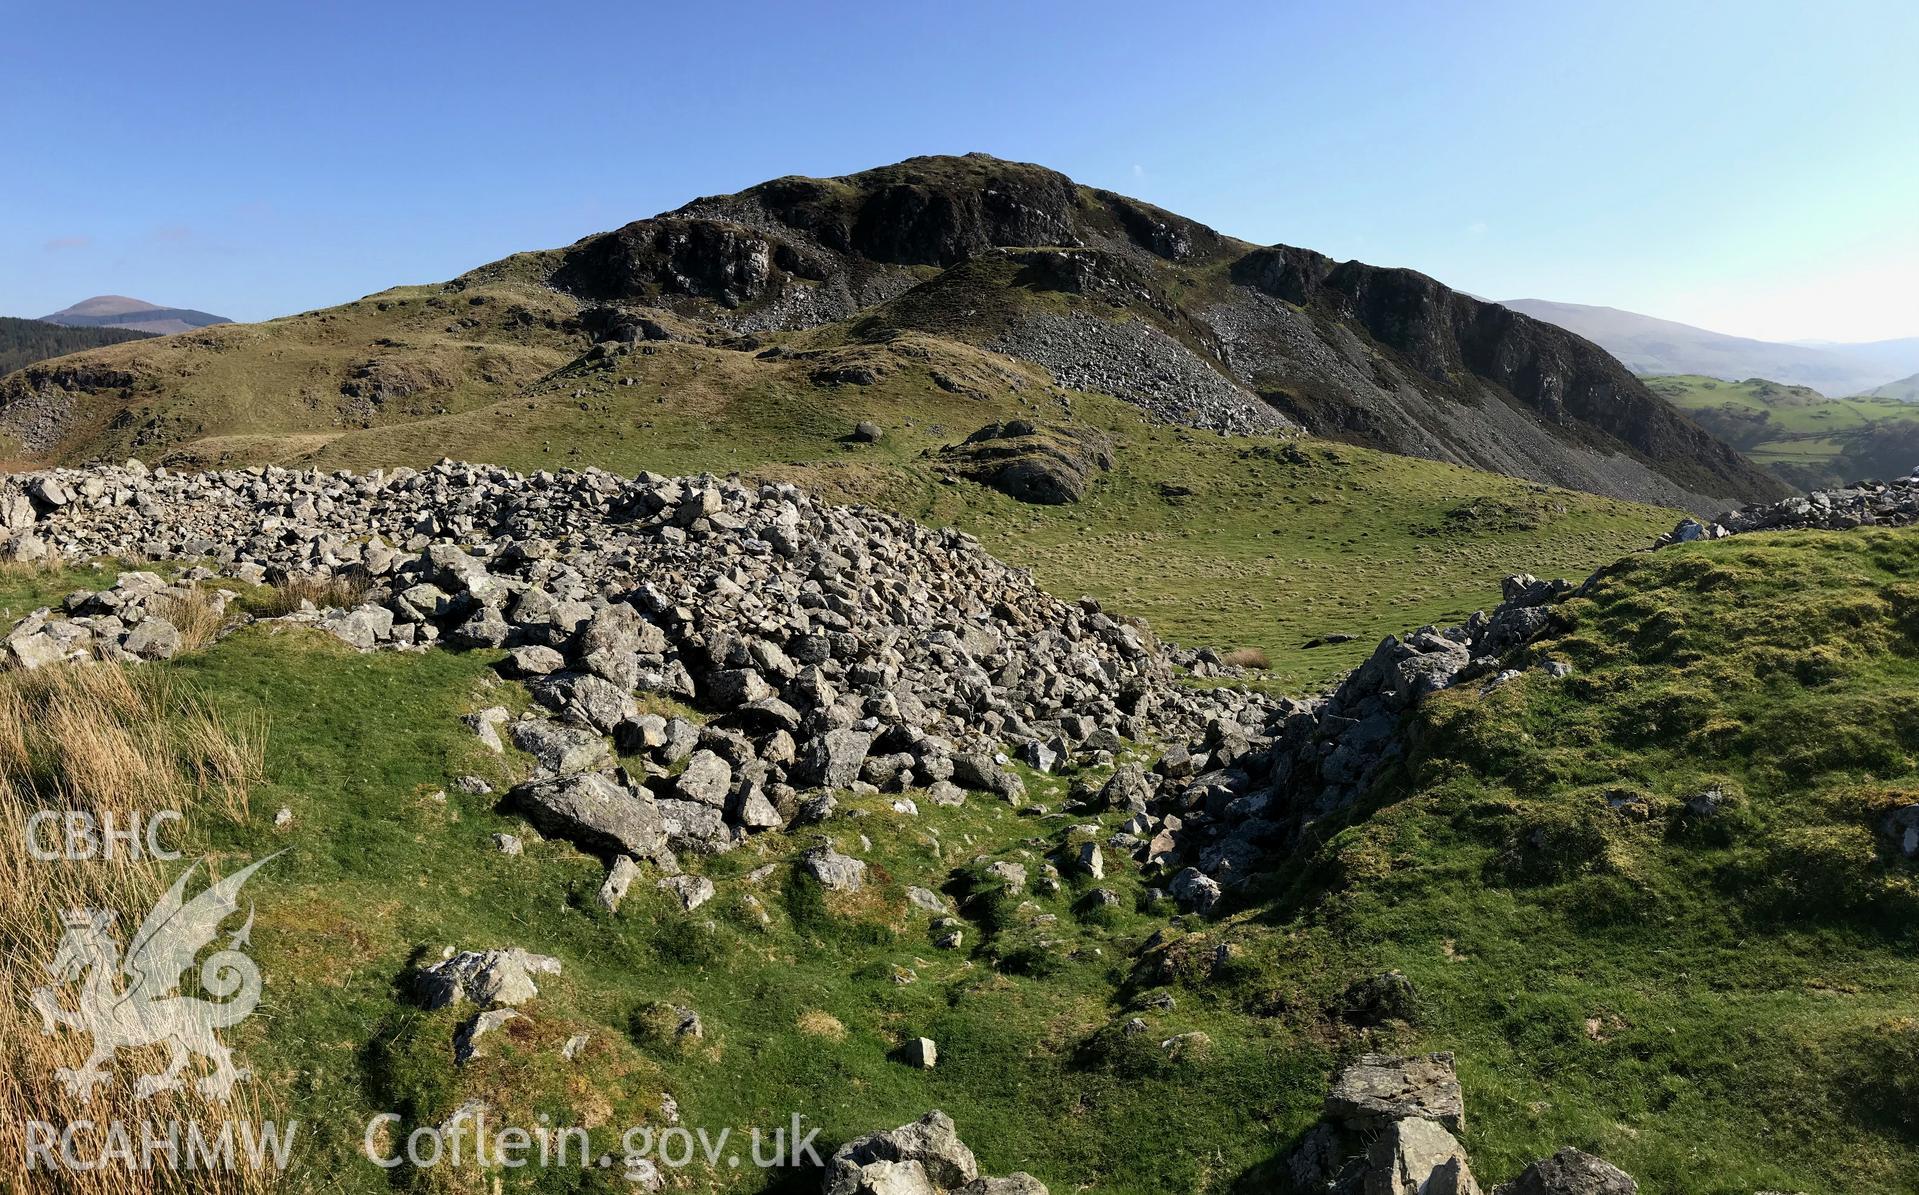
(119, 311)
(1647, 345)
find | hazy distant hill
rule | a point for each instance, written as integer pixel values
(1904, 390)
(1655, 346)
(24, 341)
(118, 311)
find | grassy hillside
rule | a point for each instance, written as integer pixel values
(1258, 542)
(24, 341)
(1719, 1002)
(1799, 434)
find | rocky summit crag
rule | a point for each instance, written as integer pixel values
(938, 261)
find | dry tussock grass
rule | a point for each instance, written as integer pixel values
(199, 615)
(816, 1023)
(344, 590)
(109, 741)
(1246, 657)
(29, 568)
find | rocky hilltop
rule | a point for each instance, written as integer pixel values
(942, 259)
(1388, 358)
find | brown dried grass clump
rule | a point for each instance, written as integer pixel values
(341, 590)
(198, 614)
(106, 741)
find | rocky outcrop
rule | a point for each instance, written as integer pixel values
(928, 211)
(1586, 420)
(1048, 466)
(926, 1157)
(649, 261)
(39, 403)
(1389, 358)
(1869, 504)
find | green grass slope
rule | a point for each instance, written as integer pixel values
(1229, 542)
(1802, 436)
(1718, 1003)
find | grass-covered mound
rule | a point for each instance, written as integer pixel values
(1649, 904)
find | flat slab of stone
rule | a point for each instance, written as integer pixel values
(1381, 1088)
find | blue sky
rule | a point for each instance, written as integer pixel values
(1750, 167)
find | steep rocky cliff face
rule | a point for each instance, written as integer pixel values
(1443, 361)
(1106, 293)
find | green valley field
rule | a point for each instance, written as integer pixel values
(1799, 434)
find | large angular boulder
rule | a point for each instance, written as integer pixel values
(833, 759)
(595, 812)
(488, 978)
(841, 873)
(153, 639)
(930, 1145)
(1417, 1157)
(707, 779)
(1194, 891)
(1128, 789)
(562, 750)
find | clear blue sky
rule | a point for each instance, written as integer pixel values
(1751, 167)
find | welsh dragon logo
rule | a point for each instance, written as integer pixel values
(131, 1001)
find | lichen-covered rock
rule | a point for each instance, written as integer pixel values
(1047, 466)
(1380, 1088)
(930, 1143)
